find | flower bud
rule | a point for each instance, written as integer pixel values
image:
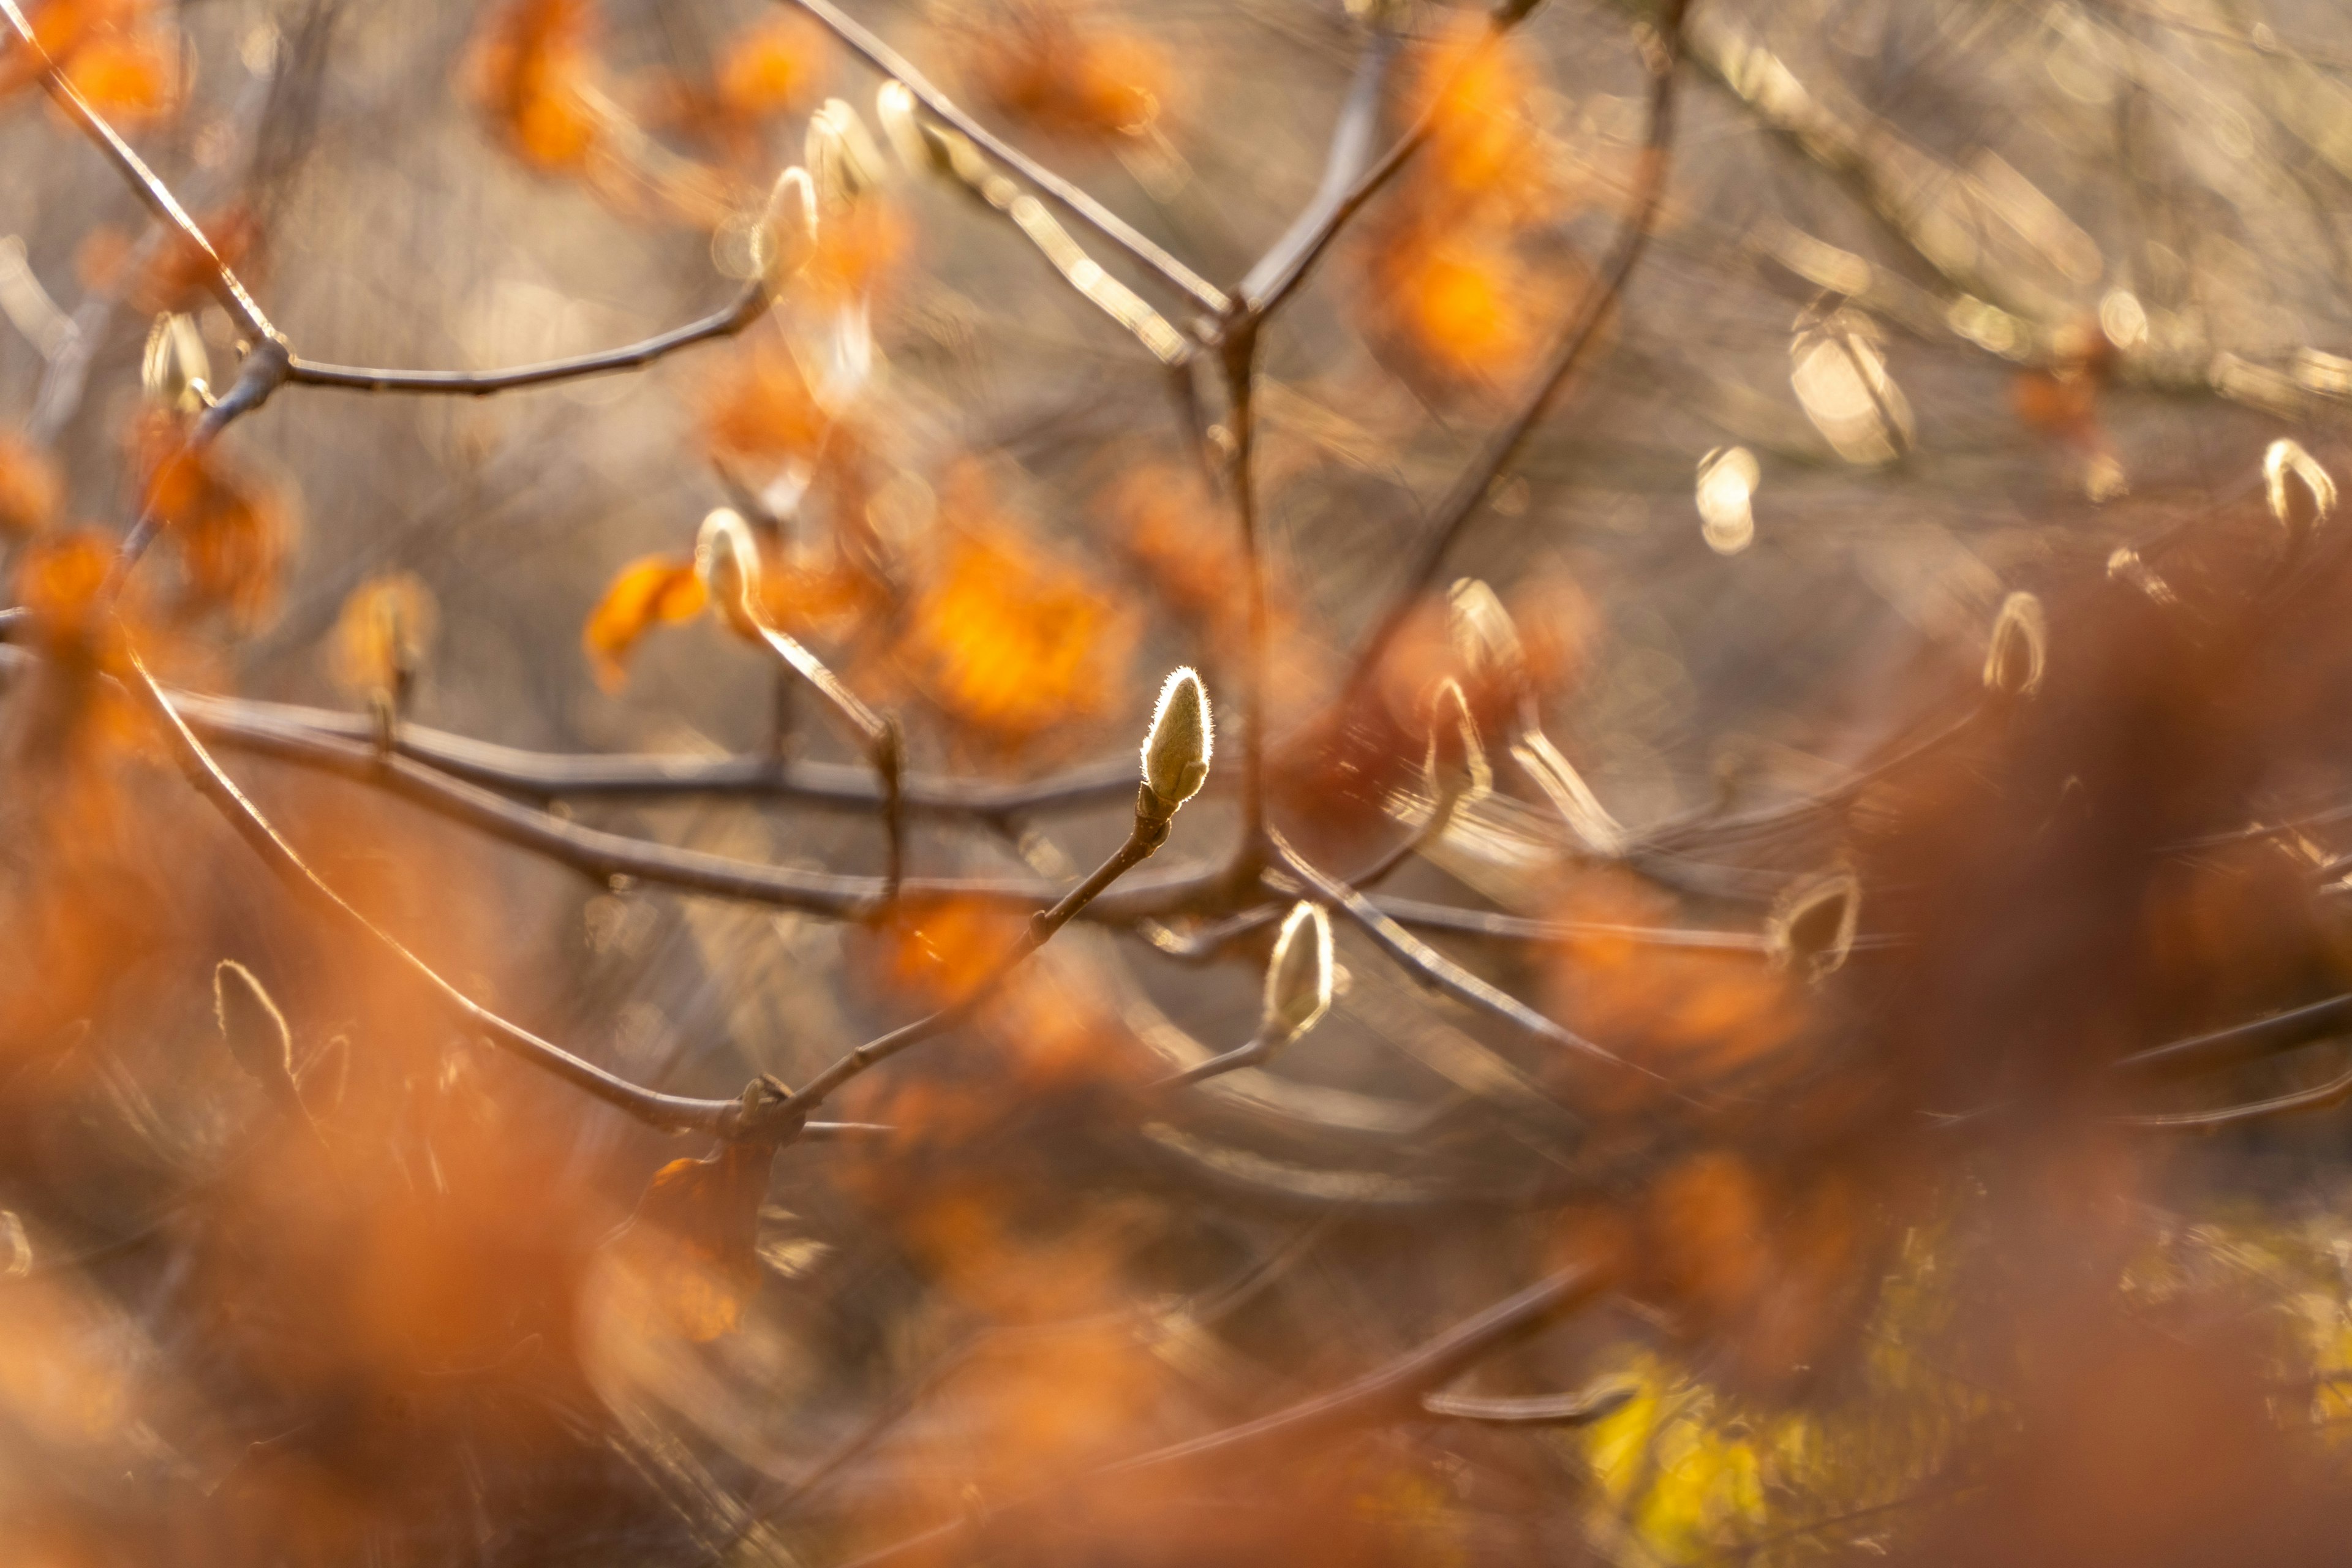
(2019, 649)
(787, 233)
(1811, 930)
(2301, 492)
(1456, 770)
(1485, 635)
(176, 372)
(1177, 747)
(253, 1028)
(894, 106)
(727, 559)
(1298, 976)
(844, 160)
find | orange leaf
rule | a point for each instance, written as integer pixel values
(530, 64)
(1045, 63)
(648, 590)
(1006, 637)
(381, 633)
(762, 409)
(772, 66)
(30, 487)
(689, 1256)
(232, 531)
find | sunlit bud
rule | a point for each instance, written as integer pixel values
(2301, 491)
(176, 372)
(1298, 976)
(1176, 749)
(787, 231)
(727, 559)
(2019, 649)
(843, 158)
(253, 1028)
(902, 127)
(1456, 770)
(1811, 930)
(1485, 634)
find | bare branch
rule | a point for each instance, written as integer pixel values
(232, 293)
(1434, 968)
(1065, 196)
(1468, 496)
(730, 319)
(1389, 1393)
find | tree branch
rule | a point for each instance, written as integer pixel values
(1065, 194)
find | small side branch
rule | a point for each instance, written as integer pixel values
(724, 322)
(1389, 1393)
(1065, 196)
(226, 286)
(1467, 497)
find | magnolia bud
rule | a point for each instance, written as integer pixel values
(844, 160)
(1456, 769)
(2301, 493)
(176, 371)
(2019, 649)
(894, 106)
(253, 1028)
(787, 233)
(1176, 749)
(1811, 930)
(1485, 635)
(727, 559)
(1298, 976)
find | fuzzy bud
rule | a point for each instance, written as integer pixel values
(844, 160)
(176, 371)
(2301, 492)
(1298, 976)
(727, 559)
(786, 236)
(894, 106)
(253, 1028)
(1456, 770)
(1177, 748)
(1813, 928)
(2020, 647)
(1485, 635)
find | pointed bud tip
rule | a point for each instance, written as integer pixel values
(251, 1024)
(1456, 769)
(2301, 492)
(1813, 929)
(1298, 976)
(1178, 747)
(1485, 636)
(2019, 652)
(727, 559)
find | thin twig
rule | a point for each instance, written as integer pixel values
(1469, 493)
(224, 284)
(1389, 1393)
(668, 1113)
(1240, 360)
(730, 319)
(1139, 847)
(1579, 1410)
(1421, 958)
(2321, 1096)
(1065, 196)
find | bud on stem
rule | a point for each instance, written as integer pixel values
(1176, 749)
(727, 559)
(2020, 649)
(1298, 976)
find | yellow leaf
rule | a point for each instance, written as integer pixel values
(650, 589)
